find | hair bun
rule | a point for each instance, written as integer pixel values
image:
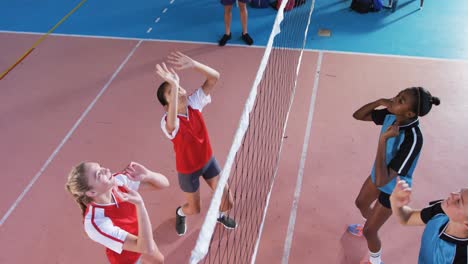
(435, 100)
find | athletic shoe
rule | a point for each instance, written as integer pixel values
(356, 229)
(247, 39)
(224, 39)
(227, 222)
(180, 225)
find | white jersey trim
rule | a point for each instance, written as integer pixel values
(101, 229)
(198, 100)
(122, 180)
(415, 140)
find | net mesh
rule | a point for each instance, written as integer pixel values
(253, 160)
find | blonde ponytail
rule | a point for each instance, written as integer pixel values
(77, 186)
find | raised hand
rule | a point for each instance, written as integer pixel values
(401, 194)
(136, 171)
(180, 61)
(131, 196)
(169, 75)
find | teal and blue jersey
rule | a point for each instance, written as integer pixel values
(402, 151)
(438, 247)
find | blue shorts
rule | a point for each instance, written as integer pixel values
(231, 2)
(190, 182)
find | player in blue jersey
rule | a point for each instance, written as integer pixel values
(398, 151)
(445, 237)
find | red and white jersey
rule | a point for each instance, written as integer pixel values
(190, 137)
(109, 224)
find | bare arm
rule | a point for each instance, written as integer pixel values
(212, 77)
(365, 112)
(399, 199)
(171, 77)
(156, 180)
(138, 172)
(172, 110)
(143, 243)
(384, 174)
(130, 244)
(184, 62)
(135, 244)
(408, 216)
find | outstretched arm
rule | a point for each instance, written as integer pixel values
(182, 61)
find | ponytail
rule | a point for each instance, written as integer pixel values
(424, 101)
(77, 186)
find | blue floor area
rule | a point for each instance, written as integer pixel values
(31, 15)
(440, 30)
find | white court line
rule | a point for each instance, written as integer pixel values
(241, 45)
(300, 174)
(64, 140)
(133, 39)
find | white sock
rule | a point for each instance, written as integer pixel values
(180, 212)
(221, 214)
(375, 258)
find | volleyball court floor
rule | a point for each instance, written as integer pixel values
(84, 97)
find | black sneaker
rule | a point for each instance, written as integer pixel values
(224, 39)
(247, 39)
(227, 222)
(180, 225)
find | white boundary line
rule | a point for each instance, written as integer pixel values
(125, 38)
(241, 45)
(70, 132)
(388, 55)
(300, 174)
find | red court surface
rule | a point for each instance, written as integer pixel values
(44, 97)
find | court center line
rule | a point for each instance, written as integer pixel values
(300, 174)
(70, 132)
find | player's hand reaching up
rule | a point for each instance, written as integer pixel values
(169, 75)
(401, 194)
(181, 61)
(136, 171)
